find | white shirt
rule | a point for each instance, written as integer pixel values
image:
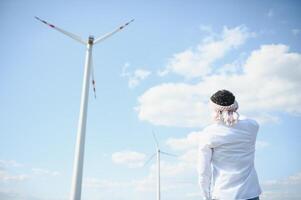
(226, 161)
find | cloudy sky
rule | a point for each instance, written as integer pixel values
(157, 75)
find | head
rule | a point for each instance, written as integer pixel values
(224, 107)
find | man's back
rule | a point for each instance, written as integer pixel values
(232, 159)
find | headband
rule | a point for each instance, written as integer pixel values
(233, 107)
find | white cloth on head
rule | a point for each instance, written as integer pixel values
(226, 114)
(233, 107)
(226, 161)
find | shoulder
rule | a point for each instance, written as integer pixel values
(207, 131)
(251, 123)
(207, 135)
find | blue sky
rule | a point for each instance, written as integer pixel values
(156, 74)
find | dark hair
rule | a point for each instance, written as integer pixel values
(223, 98)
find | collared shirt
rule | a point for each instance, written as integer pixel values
(226, 161)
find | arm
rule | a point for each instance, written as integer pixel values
(204, 169)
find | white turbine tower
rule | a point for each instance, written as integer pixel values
(158, 152)
(81, 132)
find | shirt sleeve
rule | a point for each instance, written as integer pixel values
(204, 167)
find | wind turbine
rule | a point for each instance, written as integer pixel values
(158, 152)
(81, 131)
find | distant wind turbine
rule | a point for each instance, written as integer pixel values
(81, 132)
(158, 152)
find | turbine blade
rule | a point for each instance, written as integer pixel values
(112, 33)
(150, 158)
(155, 138)
(71, 35)
(93, 79)
(168, 154)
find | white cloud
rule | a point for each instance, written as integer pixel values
(173, 176)
(268, 83)
(188, 142)
(233, 67)
(198, 62)
(145, 184)
(189, 147)
(9, 163)
(193, 194)
(286, 188)
(8, 171)
(5, 176)
(39, 171)
(104, 184)
(131, 159)
(171, 169)
(173, 104)
(190, 156)
(296, 31)
(15, 194)
(260, 144)
(134, 78)
(290, 180)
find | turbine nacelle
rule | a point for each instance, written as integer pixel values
(91, 39)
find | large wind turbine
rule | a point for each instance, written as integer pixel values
(81, 131)
(158, 152)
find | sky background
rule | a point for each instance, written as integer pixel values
(157, 74)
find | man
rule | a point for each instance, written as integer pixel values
(226, 153)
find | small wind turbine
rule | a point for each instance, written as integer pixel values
(158, 152)
(81, 132)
